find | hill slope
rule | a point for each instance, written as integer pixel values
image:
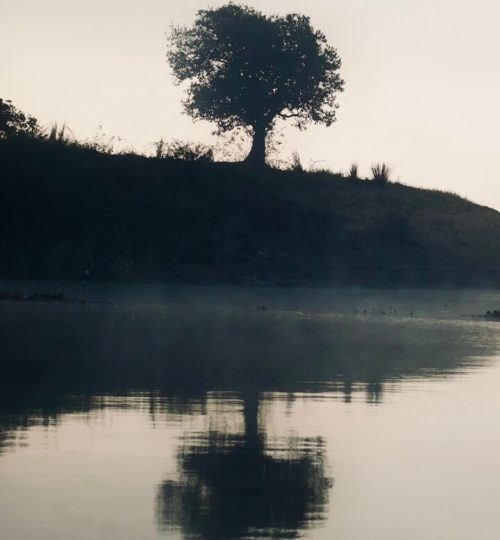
(67, 211)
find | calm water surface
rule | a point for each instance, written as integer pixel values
(217, 413)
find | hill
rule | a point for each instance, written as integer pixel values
(70, 212)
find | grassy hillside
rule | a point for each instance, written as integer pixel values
(72, 212)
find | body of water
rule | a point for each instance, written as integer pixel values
(220, 413)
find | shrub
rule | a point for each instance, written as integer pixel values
(183, 151)
(102, 142)
(159, 149)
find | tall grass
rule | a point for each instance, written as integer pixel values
(353, 172)
(381, 173)
(60, 134)
(296, 163)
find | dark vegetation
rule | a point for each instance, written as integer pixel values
(70, 211)
(14, 123)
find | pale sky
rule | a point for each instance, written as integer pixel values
(422, 81)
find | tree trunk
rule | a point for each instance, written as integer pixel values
(253, 439)
(257, 155)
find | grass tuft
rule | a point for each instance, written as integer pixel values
(381, 173)
(353, 172)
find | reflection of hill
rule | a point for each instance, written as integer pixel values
(191, 350)
(51, 353)
(230, 487)
(23, 406)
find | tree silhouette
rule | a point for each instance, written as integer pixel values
(231, 487)
(13, 122)
(248, 70)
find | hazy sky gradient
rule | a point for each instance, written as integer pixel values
(422, 80)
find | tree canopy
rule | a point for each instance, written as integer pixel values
(246, 69)
(13, 122)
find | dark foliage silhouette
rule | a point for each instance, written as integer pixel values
(14, 123)
(246, 69)
(183, 151)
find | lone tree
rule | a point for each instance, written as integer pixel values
(248, 70)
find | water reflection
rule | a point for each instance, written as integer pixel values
(233, 486)
(58, 359)
(170, 361)
(188, 351)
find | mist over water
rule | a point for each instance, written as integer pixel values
(169, 412)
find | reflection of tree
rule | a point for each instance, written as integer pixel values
(231, 486)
